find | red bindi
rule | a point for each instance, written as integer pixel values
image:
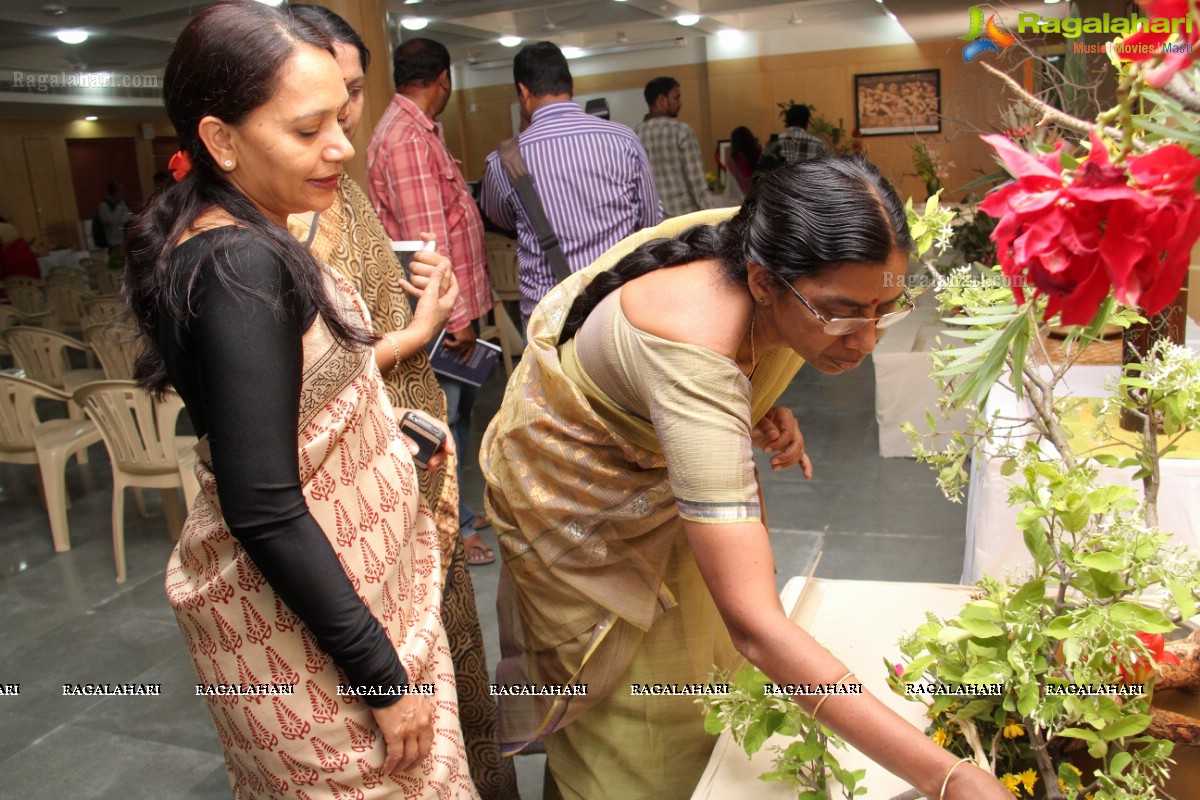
(874, 301)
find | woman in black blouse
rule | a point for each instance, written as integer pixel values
(310, 562)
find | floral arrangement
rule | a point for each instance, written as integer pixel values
(1090, 232)
(929, 167)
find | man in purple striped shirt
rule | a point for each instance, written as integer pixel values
(592, 175)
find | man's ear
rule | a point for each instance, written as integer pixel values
(218, 139)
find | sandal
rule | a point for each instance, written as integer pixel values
(481, 521)
(478, 553)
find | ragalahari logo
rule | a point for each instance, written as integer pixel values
(983, 37)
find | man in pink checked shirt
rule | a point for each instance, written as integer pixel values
(416, 186)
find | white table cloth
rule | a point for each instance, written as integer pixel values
(993, 542)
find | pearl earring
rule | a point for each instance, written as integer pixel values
(228, 164)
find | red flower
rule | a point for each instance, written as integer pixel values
(1140, 670)
(1146, 45)
(180, 165)
(1080, 235)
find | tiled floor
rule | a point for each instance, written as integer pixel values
(65, 620)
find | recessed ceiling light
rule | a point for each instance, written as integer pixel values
(730, 36)
(687, 19)
(510, 41)
(1050, 2)
(91, 118)
(572, 52)
(272, 3)
(414, 23)
(74, 36)
(411, 2)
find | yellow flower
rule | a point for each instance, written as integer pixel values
(1012, 783)
(1028, 779)
(1013, 729)
(941, 737)
(1074, 769)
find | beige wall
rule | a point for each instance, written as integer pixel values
(39, 196)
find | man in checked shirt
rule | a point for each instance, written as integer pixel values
(416, 186)
(673, 151)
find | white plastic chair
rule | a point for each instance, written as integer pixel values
(502, 263)
(142, 445)
(27, 298)
(139, 433)
(26, 439)
(116, 348)
(42, 354)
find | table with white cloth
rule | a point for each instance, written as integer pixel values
(993, 542)
(61, 258)
(904, 392)
(859, 621)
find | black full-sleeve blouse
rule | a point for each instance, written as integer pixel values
(237, 364)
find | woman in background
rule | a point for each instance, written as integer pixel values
(744, 152)
(310, 561)
(350, 238)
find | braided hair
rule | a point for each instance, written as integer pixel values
(801, 220)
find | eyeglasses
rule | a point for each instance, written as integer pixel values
(844, 326)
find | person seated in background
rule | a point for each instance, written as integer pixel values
(310, 558)
(621, 481)
(114, 215)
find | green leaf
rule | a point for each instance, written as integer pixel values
(987, 672)
(1104, 561)
(1119, 762)
(980, 628)
(713, 723)
(1147, 620)
(1183, 598)
(1060, 627)
(1068, 776)
(1008, 467)
(1028, 698)
(951, 635)
(804, 751)
(974, 708)
(1039, 548)
(1128, 726)
(1032, 593)
(1079, 733)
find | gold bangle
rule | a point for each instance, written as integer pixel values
(825, 697)
(946, 782)
(395, 351)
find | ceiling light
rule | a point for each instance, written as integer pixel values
(687, 19)
(414, 23)
(74, 36)
(510, 41)
(794, 19)
(730, 36)
(1050, 2)
(272, 3)
(411, 2)
(571, 52)
(91, 118)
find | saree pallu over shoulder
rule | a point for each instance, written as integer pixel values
(584, 514)
(309, 739)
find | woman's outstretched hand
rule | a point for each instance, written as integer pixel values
(778, 432)
(407, 728)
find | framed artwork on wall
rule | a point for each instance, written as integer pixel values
(898, 102)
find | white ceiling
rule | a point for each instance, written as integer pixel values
(136, 37)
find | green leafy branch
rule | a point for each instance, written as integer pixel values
(808, 764)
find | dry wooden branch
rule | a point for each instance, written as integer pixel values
(1174, 727)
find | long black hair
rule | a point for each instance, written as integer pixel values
(801, 220)
(226, 63)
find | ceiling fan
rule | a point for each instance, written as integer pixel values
(552, 25)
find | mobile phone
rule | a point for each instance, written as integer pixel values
(429, 437)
